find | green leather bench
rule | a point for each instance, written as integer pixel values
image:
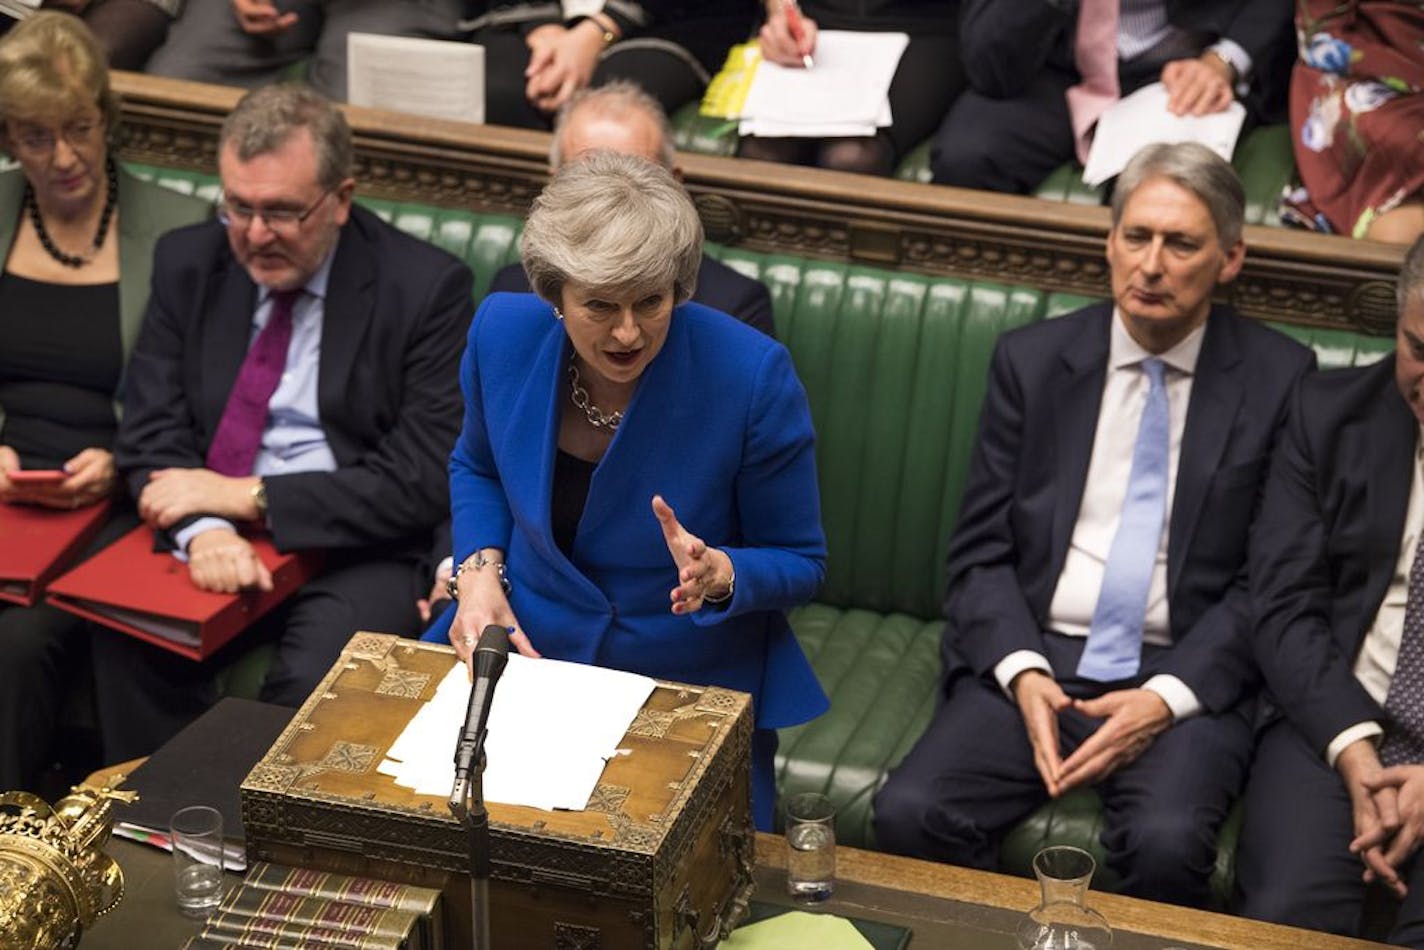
(894, 366)
(1263, 159)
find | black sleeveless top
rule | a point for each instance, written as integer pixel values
(61, 356)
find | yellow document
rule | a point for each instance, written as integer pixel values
(798, 930)
(728, 89)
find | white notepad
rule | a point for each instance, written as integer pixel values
(436, 78)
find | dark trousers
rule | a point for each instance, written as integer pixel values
(147, 694)
(1012, 145)
(971, 776)
(45, 660)
(1293, 863)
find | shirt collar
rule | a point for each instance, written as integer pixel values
(1124, 351)
(316, 283)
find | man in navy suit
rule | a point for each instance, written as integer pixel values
(1046, 690)
(344, 450)
(1336, 797)
(620, 117)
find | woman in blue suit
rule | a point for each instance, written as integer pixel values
(635, 483)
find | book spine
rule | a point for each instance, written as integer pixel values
(320, 912)
(352, 890)
(275, 932)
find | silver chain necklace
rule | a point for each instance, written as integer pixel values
(596, 417)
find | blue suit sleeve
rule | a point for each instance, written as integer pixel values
(780, 558)
(480, 512)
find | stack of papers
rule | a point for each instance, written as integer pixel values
(552, 728)
(442, 79)
(843, 94)
(1142, 119)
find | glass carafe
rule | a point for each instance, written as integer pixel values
(1063, 920)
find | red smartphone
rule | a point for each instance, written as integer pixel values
(37, 476)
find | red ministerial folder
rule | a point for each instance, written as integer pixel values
(37, 543)
(148, 594)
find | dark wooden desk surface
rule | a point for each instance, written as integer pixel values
(947, 908)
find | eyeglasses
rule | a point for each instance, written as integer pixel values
(234, 213)
(41, 142)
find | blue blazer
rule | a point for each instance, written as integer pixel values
(719, 426)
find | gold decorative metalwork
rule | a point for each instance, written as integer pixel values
(350, 757)
(55, 879)
(608, 799)
(407, 684)
(655, 723)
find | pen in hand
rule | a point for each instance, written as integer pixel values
(794, 24)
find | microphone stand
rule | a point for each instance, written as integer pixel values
(467, 797)
(467, 801)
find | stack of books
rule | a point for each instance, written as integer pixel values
(283, 907)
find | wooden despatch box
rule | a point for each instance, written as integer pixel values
(661, 858)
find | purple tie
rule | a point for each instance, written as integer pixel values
(239, 436)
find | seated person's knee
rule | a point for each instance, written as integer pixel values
(869, 155)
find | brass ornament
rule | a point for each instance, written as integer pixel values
(55, 879)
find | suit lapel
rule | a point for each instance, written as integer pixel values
(1215, 400)
(1077, 400)
(346, 316)
(227, 332)
(1391, 432)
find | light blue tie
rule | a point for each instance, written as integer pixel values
(1114, 648)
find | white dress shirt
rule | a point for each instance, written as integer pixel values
(1076, 596)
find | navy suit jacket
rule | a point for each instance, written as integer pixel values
(720, 427)
(395, 315)
(1325, 547)
(718, 287)
(1026, 485)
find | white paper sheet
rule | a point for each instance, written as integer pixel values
(843, 94)
(552, 727)
(438, 78)
(1142, 119)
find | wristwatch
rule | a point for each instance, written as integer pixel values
(731, 589)
(259, 499)
(478, 561)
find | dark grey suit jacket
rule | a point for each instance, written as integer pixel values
(1325, 547)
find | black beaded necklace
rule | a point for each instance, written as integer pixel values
(111, 200)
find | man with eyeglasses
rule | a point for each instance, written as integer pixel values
(296, 372)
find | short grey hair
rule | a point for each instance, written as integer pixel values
(1197, 169)
(612, 222)
(1410, 285)
(265, 118)
(615, 100)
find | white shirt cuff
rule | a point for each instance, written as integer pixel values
(1014, 664)
(1177, 695)
(1348, 737)
(181, 538)
(1240, 60)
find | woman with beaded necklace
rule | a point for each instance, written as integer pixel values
(76, 236)
(635, 482)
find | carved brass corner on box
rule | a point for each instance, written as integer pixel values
(55, 879)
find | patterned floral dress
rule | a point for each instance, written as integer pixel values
(1357, 111)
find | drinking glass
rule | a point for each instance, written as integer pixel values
(811, 851)
(197, 836)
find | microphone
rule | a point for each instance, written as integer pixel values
(490, 657)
